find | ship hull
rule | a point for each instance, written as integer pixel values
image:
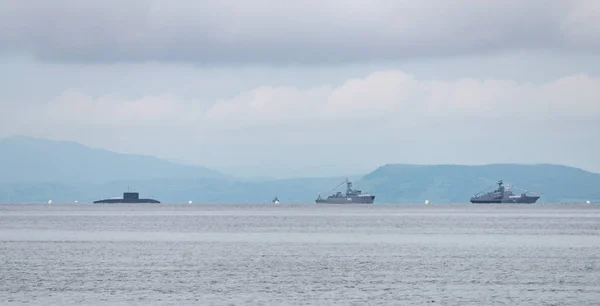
(347, 200)
(521, 200)
(121, 201)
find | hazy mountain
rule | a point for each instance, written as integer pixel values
(456, 183)
(36, 170)
(222, 191)
(27, 159)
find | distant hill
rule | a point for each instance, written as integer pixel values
(27, 160)
(36, 170)
(457, 183)
(208, 190)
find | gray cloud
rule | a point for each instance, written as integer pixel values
(272, 31)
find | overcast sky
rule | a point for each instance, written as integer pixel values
(308, 88)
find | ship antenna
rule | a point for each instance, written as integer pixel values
(337, 186)
(525, 190)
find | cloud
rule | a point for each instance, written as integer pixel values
(73, 108)
(277, 32)
(384, 97)
(397, 96)
(381, 117)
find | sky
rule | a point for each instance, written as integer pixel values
(308, 88)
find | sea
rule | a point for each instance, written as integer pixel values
(196, 254)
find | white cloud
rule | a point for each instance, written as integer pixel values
(77, 109)
(268, 105)
(397, 96)
(273, 31)
(384, 96)
(392, 115)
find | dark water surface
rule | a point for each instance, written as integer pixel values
(299, 254)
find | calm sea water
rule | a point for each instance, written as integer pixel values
(300, 255)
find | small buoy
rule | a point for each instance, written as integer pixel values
(189, 202)
(49, 202)
(426, 202)
(588, 202)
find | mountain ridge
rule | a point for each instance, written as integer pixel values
(36, 170)
(27, 159)
(456, 183)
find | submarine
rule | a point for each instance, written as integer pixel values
(128, 198)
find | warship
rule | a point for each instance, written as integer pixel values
(352, 196)
(128, 198)
(503, 195)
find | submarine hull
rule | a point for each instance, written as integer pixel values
(121, 201)
(128, 198)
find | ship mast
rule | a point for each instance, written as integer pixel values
(349, 184)
(500, 187)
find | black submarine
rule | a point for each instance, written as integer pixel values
(128, 198)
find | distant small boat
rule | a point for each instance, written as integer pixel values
(128, 198)
(276, 201)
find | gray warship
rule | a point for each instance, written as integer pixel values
(128, 198)
(352, 196)
(503, 195)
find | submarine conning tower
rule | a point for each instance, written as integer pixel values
(131, 196)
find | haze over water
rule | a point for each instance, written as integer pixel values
(300, 254)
